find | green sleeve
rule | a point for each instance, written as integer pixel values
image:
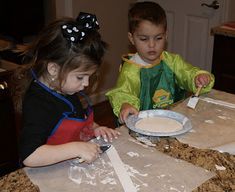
(127, 89)
(186, 73)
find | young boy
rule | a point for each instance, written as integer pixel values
(152, 77)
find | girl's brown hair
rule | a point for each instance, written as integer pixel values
(52, 46)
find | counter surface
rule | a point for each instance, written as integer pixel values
(222, 164)
(223, 30)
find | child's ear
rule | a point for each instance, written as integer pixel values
(166, 35)
(52, 69)
(130, 37)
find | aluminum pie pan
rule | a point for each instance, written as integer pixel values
(182, 119)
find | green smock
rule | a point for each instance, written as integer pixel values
(154, 86)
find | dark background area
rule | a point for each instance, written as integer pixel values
(20, 21)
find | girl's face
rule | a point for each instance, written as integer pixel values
(149, 40)
(76, 81)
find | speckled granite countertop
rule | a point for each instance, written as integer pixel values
(224, 181)
(17, 181)
(222, 164)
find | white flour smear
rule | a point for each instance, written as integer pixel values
(92, 173)
(108, 172)
(133, 154)
(120, 170)
(134, 173)
(218, 102)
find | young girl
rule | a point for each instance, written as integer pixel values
(55, 125)
(153, 78)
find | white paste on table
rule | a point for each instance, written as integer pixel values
(159, 124)
(120, 170)
(133, 154)
(224, 117)
(218, 102)
(209, 121)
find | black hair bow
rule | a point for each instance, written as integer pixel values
(77, 31)
(88, 21)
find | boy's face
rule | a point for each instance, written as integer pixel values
(149, 40)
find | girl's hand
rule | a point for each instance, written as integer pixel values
(107, 133)
(127, 110)
(88, 151)
(202, 80)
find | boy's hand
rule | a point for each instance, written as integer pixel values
(202, 80)
(127, 110)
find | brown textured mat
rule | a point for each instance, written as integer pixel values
(17, 181)
(223, 164)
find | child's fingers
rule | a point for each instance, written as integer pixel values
(199, 84)
(116, 134)
(100, 132)
(92, 152)
(123, 116)
(107, 134)
(111, 133)
(202, 80)
(125, 113)
(120, 119)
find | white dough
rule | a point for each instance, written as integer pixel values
(159, 124)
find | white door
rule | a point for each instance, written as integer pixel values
(189, 26)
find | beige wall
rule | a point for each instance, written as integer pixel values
(112, 17)
(231, 16)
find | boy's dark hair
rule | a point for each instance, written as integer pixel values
(146, 10)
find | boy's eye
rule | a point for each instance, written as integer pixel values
(158, 37)
(143, 38)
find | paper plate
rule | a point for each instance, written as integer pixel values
(182, 119)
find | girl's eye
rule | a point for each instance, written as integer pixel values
(143, 39)
(79, 77)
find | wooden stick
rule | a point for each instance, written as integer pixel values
(198, 91)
